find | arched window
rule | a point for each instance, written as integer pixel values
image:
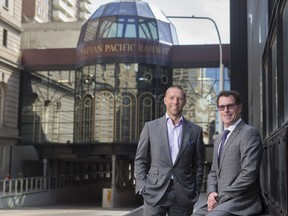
(87, 118)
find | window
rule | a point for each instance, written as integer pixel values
(164, 32)
(39, 10)
(148, 29)
(274, 83)
(267, 128)
(285, 63)
(1, 104)
(5, 36)
(2, 155)
(5, 4)
(87, 116)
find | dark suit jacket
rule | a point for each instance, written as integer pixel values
(154, 167)
(236, 179)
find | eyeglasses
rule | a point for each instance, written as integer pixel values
(228, 106)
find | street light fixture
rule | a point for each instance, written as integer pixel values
(221, 68)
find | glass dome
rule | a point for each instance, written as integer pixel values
(129, 19)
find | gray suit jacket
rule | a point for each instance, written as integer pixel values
(154, 168)
(236, 179)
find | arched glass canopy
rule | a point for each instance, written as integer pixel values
(129, 19)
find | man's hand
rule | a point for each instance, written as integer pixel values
(212, 201)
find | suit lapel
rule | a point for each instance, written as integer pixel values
(163, 137)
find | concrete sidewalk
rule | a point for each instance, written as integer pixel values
(139, 211)
(66, 210)
(81, 209)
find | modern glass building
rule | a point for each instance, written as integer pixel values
(83, 108)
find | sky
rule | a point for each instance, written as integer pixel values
(193, 31)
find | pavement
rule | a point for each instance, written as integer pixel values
(65, 211)
(81, 209)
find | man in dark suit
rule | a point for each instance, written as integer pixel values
(169, 160)
(233, 185)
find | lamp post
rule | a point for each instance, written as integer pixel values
(221, 68)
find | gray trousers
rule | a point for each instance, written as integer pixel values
(204, 212)
(167, 206)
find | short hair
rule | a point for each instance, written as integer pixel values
(179, 87)
(227, 93)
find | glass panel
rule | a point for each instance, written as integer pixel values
(274, 85)
(112, 31)
(126, 117)
(104, 116)
(145, 77)
(123, 27)
(77, 125)
(164, 32)
(143, 10)
(98, 13)
(202, 87)
(261, 100)
(38, 133)
(105, 78)
(130, 31)
(107, 28)
(91, 30)
(120, 27)
(174, 34)
(158, 14)
(47, 113)
(146, 108)
(127, 76)
(285, 62)
(112, 9)
(128, 8)
(148, 29)
(267, 107)
(87, 122)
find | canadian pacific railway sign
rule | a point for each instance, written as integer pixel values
(127, 50)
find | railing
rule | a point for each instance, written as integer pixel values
(37, 184)
(23, 185)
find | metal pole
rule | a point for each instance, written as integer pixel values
(113, 183)
(221, 68)
(44, 172)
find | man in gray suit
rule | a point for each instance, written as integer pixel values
(233, 186)
(169, 160)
